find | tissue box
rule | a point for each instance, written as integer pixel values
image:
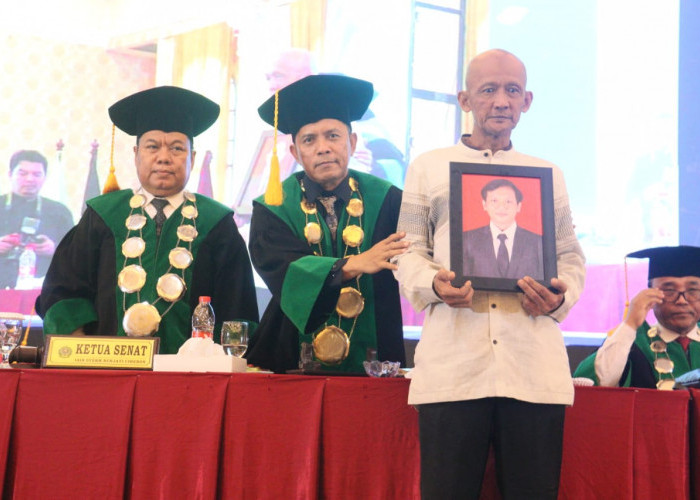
(175, 363)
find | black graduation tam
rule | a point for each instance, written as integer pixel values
(676, 262)
(167, 108)
(318, 97)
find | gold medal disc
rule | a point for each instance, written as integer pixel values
(187, 233)
(353, 183)
(658, 346)
(135, 222)
(170, 287)
(133, 247)
(308, 207)
(189, 212)
(652, 332)
(331, 345)
(136, 201)
(141, 320)
(353, 235)
(180, 258)
(350, 303)
(355, 207)
(663, 365)
(666, 384)
(189, 196)
(313, 233)
(131, 278)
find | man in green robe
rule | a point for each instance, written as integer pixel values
(138, 261)
(324, 251)
(639, 355)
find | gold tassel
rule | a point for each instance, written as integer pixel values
(627, 300)
(111, 182)
(29, 324)
(273, 193)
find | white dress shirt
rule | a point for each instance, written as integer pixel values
(174, 202)
(611, 358)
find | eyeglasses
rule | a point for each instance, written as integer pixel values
(175, 149)
(691, 294)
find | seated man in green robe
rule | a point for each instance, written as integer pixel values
(639, 355)
(138, 260)
(324, 249)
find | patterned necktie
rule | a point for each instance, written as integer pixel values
(160, 217)
(684, 341)
(502, 256)
(331, 218)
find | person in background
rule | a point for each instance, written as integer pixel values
(637, 354)
(29, 218)
(138, 260)
(289, 66)
(324, 251)
(491, 368)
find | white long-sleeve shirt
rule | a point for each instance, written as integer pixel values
(493, 348)
(611, 357)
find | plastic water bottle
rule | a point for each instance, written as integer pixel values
(203, 319)
(27, 269)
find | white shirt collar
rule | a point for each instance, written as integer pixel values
(175, 200)
(509, 232)
(669, 336)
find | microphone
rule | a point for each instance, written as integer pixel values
(26, 356)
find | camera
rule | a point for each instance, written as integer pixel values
(27, 234)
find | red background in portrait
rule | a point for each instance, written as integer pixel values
(474, 215)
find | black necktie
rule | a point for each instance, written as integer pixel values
(502, 256)
(331, 218)
(160, 217)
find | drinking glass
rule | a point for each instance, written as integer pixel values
(234, 337)
(10, 333)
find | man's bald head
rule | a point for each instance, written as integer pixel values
(495, 95)
(491, 58)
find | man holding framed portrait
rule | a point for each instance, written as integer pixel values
(491, 366)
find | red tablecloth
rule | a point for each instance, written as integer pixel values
(141, 435)
(370, 440)
(599, 435)
(175, 435)
(8, 392)
(272, 437)
(661, 445)
(70, 435)
(695, 443)
(626, 443)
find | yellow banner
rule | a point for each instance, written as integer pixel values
(68, 351)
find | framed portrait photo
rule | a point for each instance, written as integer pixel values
(501, 225)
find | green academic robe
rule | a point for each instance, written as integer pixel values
(305, 287)
(80, 288)
(639, 371)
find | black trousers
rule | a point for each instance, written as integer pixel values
(455, 438)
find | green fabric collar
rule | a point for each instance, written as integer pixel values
(306, 276)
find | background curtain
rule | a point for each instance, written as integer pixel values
(476, 35)
(203, 60)
(308, 21)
